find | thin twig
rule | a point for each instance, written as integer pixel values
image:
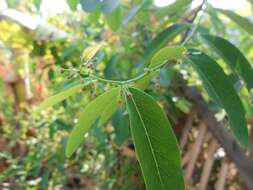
(190, 33)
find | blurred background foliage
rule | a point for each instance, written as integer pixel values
(42, 54)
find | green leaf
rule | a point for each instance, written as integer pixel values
(37, 4)
(162, 39)
(176, 8)
(108, 6)
(99, 133)
(90, 5)
(232, 56)
(120, 124)
(110, 69)
(45, 178)
(166, 76)
(222, 91)
(73, 4)
(60, 97)
(11, 3)
(135, 10)
(239, 20)
(159, 58)
(165, 54)
(144, 82)
(113, 19)
(90, 52)
(110, 109)
(216, 22)
(155, 143)
(94, 16)
(90, 114)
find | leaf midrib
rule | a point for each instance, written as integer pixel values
(149, 141)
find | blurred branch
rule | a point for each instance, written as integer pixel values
(195, 152)
(190, 18)
(220, 184)
(235, 152)
(208, 166)
(42, 30)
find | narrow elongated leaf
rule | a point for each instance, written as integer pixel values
(110, 109)
(73, 4)
(165, 54)
(120, 124)
(37, 4)
(90, 52)
(90, 5)
(222, 91)
(216, 22)
(162, 39)
(176, 8)
(60, 97)
(239, 20)
(155, 143)
(110, 69)
(99, 133)
(108, 6)
(88, 117)
(166, 76)
(233, 57)
(130, 15)
(94, 16)
(113, 19)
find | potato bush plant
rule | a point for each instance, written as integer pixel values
(123, 63)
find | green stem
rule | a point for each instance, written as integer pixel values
(154, 69)
(125, 82)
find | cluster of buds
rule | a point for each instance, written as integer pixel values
(82, 71)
